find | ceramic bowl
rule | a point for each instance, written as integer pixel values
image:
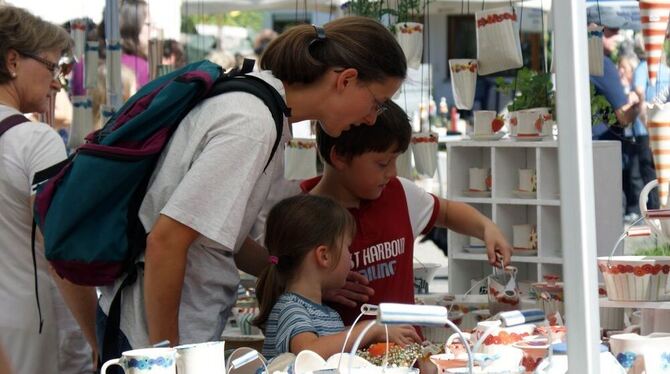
(636, 278)
(534, 352)
(639, 354)
(424, 273)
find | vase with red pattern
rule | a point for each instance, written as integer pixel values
(654, 19)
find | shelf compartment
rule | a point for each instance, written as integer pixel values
(548, 182)
(550, 239)
(459, 165)
(507, 162)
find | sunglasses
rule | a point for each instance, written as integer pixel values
(58, 70)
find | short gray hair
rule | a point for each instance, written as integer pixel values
(24, 32)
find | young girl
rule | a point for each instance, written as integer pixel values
(308, 238)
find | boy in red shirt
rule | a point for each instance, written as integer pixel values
(390, 212)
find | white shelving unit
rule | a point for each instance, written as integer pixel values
(504, 158)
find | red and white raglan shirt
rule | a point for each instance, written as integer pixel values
(383, 249)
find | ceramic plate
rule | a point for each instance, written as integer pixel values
(469, 193)
(527, 138)
(524, 252)
(497, 136)
(475, 249)
(525, 194)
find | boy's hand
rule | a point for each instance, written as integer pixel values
(401, 335)
(354, 292)
(497, 246)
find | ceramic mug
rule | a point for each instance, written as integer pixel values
(527, 180)
(201, 358)
(145, 361)
(529, 123)
(524, 236)
(484, 122)
(479, 179)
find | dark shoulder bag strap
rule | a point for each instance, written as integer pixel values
(11, 121)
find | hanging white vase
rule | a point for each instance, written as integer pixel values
(498, 44)
(403, 165)
(300, 159)
(424, 149)
(463, 81)
(410, 38)
(595, 40)
(82, 121)
(91, 59)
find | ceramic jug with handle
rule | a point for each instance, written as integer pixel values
(658, 220)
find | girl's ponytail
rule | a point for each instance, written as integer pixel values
(268, 289)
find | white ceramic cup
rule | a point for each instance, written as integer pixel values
(521, 236)
(527, 181)
(529, 123)
(145, 361)
(478, 178)
(484, 122)
(201, 358)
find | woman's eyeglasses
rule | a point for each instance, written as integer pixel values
(58, 70)
(380, 106)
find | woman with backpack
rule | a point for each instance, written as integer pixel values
(215, 174)
(30, 73)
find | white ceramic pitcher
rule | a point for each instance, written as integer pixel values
(661, 227)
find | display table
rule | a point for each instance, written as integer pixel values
(234, 339)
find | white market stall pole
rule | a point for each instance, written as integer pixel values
(576, 178)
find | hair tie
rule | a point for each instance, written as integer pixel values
(320, 35)
(274, 260)
(320, 32)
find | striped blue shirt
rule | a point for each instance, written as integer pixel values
(293, 315)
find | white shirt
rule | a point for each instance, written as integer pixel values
(210, 177)
(24, 150)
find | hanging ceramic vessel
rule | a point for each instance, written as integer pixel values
(595, 42)
(463, 81)
(300, 159)
(498, 44)
(424, 149)
(410, 38)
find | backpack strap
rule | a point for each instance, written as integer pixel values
(11, 121)
(261, 89)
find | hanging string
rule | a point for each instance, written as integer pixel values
(422, 66)
(304, 17)
(430, 81)
(330, 14)
(600, 20)
(516, 78)
(544, 55)
(296, 12)
(483, 2)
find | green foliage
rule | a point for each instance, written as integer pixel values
(601, 110)
(366, 8)
(533, 90)
(661, 250)
(408, 11)
(251, 20)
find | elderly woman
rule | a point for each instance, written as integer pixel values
(30, 73)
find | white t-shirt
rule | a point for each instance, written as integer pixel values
(210, 178)
(24, 150)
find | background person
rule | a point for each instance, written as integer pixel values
(30, 50)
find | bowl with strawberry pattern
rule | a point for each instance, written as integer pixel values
(636, 278)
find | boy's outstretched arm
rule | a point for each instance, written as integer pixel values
(466, 220)
(329, 345)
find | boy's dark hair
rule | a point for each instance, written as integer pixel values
(391, 131)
